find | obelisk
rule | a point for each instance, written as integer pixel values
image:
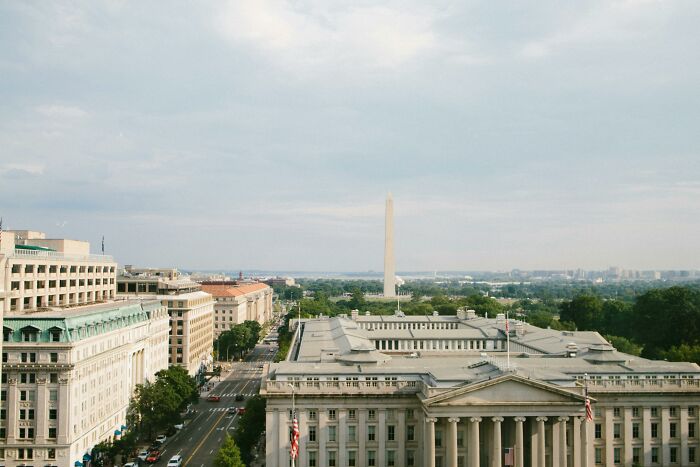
(389, 271)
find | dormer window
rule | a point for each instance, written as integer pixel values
(6, 334)
(30, 334)
(55, 334)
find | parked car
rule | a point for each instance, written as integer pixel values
(153, 457)
(161, 439)
(241, 410)
(175, 461)
(239, 397)
(179, 426)
(214, 398)
(232, 410)
(142, 454)
(131, 464)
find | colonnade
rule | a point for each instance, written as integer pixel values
(546, 443)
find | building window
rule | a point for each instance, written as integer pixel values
(616, 430)
(331, 458)
(25, 454)
(655, 412)
(691, 455)
(691, 430)
(598, 455)
(352, 414)
(617, 455)
(54, 357)
(598, 431)
(438, 438)
(371, 414)
(52, 432)
(655, 455)
(635, 430)
(390, 433)
(331, 414)
(410, 458)
(616, 411)
(27, 378)
(53, 414)
(636, 455)
(654, 430)
(390, 458)
(371, 435)
(673, 411)
(51, 454)
(53, 394)
(371, 458)
(352, 458)
(3, 395)
(691, 411)
(352, 433)
(331, 434)
(312, 434)
(410, 433)
(312, 415)
(312, 458)
(672, 430)
(53, 377)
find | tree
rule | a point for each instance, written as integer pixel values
(250, 427)
(586, 311)
(624, 345)
(228, 455)
(683, 353)
(358, 299)
(155, 406)
(183, 384)
(255, 329)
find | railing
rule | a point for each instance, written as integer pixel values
(343, 387)
(59, 255)
(612, 385)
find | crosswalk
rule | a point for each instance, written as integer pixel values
(233, 394)
(218, 409)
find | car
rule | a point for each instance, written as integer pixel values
(130, 464)
(241, 410)
(214, 398)
(232, 410)
(142, 454)
(239, 397)
(161, 439)
(175, 461)
(179, 426)
(153, 457)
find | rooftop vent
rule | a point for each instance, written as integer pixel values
(471, 314)
(500, 318)
(519, 329)
(461, 313)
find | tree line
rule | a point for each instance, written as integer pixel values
(237, 340)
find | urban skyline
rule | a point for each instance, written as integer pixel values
(273, 130)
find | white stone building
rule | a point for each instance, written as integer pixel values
(236, 303)
(68, 375)
(444, 392)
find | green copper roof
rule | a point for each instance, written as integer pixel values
(78, 323)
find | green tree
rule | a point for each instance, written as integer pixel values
(358, 299)
(182, 383)
(155, 406)
(228, 455)
(250, 427)
(682, 353)
(586, 311)
(254, 337)
(624, 345)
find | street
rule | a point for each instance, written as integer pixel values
(203, 434)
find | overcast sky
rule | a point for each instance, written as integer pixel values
(261, 134)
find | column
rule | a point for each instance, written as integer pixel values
(646, 428)
(12, 408)
(63, 427)
(362, 437)
(576, 442)
(585, 442)
(342, 437)
(429, 441)
(540, 441)
(608, 413)
(497, 452)
(322, 435)
(381, 435)
(303, 418)
(271, 440)
(519, 442)
(474, 442)
(627, 433)
(665, 437)
(41, 415)
(284, 441)
(401, 437)
(683, 429)
(562, 441)
(452, 441)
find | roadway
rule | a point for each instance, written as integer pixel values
(203, 434)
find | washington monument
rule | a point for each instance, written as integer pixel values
(389, 267)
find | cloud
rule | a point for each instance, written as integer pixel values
(59, 111)
(320, 36)
(21, 170)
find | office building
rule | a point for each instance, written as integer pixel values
(450, 391)
(239, 302)
(191, 312)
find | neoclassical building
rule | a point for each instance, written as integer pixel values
(443, 391)
(68, 375)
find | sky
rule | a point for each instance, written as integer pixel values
(266, 134)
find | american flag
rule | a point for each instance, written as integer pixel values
(507, 326)
(589, 411)
(509, 458)
(294, 452)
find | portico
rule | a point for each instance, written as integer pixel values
(541, 422)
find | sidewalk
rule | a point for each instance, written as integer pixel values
(210, 386)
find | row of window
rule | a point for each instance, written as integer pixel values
(332, 414)
(353, 458)
(673, 411)
(60, 269)
(28, 378)
(637, 455)
(654, 428)
(332, 431)
(26, 453)
(63, 283)
(30, 357)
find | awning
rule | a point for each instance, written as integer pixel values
(124, 427)
(78, 464)
(86, 457)
(117, 433)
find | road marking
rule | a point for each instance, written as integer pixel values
(204, 439)
(211, 451)
(190, 438)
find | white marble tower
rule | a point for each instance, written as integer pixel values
(389, 268)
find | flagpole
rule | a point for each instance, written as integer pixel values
(293, 415)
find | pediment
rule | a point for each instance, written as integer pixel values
(506, 390)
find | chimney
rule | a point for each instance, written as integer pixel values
(519, 329)
(354, 314)
(501, 318)
(462, 313)
(471, 314)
